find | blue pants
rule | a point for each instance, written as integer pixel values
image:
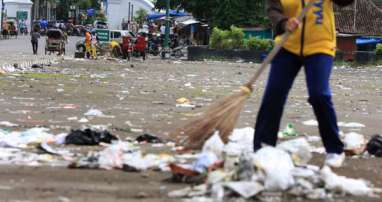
(284, 69)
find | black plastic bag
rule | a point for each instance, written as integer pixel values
(374, 146)
(148, 138)
(89, 137)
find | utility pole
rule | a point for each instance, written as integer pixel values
(2, 14)
(165, 53)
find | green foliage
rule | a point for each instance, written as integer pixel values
(227, 39)
(244, 13)
(237, 37)
(234, 39)
(378, 50)
(216, 38)
(255, 43)
(161, 4)
(223, 13)
(140, 16)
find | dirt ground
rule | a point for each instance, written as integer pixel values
(141, 97)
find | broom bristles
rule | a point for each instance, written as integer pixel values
(221, 116)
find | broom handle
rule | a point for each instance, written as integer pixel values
(277, 48)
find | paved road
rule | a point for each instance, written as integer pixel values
(20, 49)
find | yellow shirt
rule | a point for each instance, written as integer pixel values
(317, 33)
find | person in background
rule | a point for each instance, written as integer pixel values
(94, 42)
(312, 44)
(35, 35)
(88, 38)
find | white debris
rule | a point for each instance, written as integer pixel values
(200, 190)
(334, 182)
(351, 125)
(83, 120)
(94, 112)
(23, 139)
(310, 123)
(242, 138)
(299, 149)
(245, 189)
(185, 105)
(277, 165)
(214, 144)
(204, 161)
(8, 124)
(354, 141)
(73, 118)
(313, 138)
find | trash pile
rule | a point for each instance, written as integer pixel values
(223, 171)
(233, 171)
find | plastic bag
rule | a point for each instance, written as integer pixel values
(215, 145)
(299, 149)
(277, 165)
(333, 182)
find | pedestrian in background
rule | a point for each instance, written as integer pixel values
(35, 35)
(94, 42)
(88, 38)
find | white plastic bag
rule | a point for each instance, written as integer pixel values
(277, 165)
(354, 141)
(299, 149)
(333, 182)
(204, 161)
(215, 145)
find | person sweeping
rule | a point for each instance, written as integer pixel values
(312, 44)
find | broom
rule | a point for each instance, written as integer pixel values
(223, 115)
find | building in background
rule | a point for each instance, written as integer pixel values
(118, 11)
(44, 9)
(363, 18)
(18, 11)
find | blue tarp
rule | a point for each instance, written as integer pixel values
(173, 13)
(365, 41)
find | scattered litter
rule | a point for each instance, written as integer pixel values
(310, 123)
(74, 118)
(188, 192)
(33, 136)
(136, 130)
(244, 188)
(60, 90)
(265, 174)
(182, 100)
(83, 120)
(148, 138)
(97, 113)
(185, 105)
(89, 137)
(8, 124)
(335, 183)
(351, 125)
(289, 131)
(313, 138)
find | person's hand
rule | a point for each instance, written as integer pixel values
(292, 24)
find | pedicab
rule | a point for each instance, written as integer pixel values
(55, 41)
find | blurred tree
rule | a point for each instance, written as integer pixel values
(140, 16)
(223, 13)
